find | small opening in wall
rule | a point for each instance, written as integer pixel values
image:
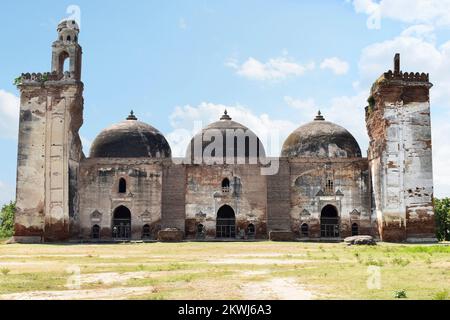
(251, 231)
(69, 38)
(146, 232)
(329, 188)
(122, 185)
(355, 229)
(304, 230)
(226, 185)
(96, 232)
(64, 60)
(201, 233)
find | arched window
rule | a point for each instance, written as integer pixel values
(304, 230)
(63, 62)
(329, 188)
(122, 185)
(226, 185)
(146, 232)
(96, 232)
(200, 231)
(251, 231)
(69, 38)
(355, 229)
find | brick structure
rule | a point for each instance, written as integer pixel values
(130, 187)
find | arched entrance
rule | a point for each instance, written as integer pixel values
(226, 223)
(251, 231)
(355, 229)
(121, 227)
(329, 222)
(146, 232)
(96, 232)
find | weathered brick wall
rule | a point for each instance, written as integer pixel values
(279, 198)
(350, 194)
(30, 197)
(173, 197)
(99, 195)
(204, 197)
(49, 147)
(400, 157)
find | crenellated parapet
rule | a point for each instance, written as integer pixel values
(40, 78)
(407, 76)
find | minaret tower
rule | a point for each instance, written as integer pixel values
(51, 113)
(400, 155)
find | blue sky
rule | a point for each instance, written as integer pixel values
(273, 64)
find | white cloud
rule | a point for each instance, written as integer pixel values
(306, 108)
(419, 53)
(441, 155)
(420, 31)
(86, 142)
(338, 66)
(274, 69)
(346, 111)
(9, 115)
(349, 112)
(7, 193)
(182, 24)
(187, 121)
(436, 12)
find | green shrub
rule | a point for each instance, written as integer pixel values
(400, 262)
(400, 294)
(374, 262)
(442, 215)
(7, 220)
(5, 271)
(441, 295)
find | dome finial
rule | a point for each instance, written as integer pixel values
(319, 117)
(132, 116)
(225, 116)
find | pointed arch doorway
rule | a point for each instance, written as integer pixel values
(226, 223)
(329, 222)
(121, 227)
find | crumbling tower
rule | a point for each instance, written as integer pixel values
(400, 155)
(51, 113)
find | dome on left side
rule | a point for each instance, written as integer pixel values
(130, 139)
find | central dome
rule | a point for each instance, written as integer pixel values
(234, 140)
(321, 139)
(130, 139)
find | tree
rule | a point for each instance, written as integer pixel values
(7, 220)
(442, 212)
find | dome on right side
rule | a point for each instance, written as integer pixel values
(321, 139)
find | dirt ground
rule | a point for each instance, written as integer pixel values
(253, 271)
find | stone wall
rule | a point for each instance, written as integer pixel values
(349, 194)
(400, 155)
(247, 196)
(279, 198)
(173, 197)
(100, 197)
(49, 148)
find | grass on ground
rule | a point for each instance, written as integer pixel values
(217, 270)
